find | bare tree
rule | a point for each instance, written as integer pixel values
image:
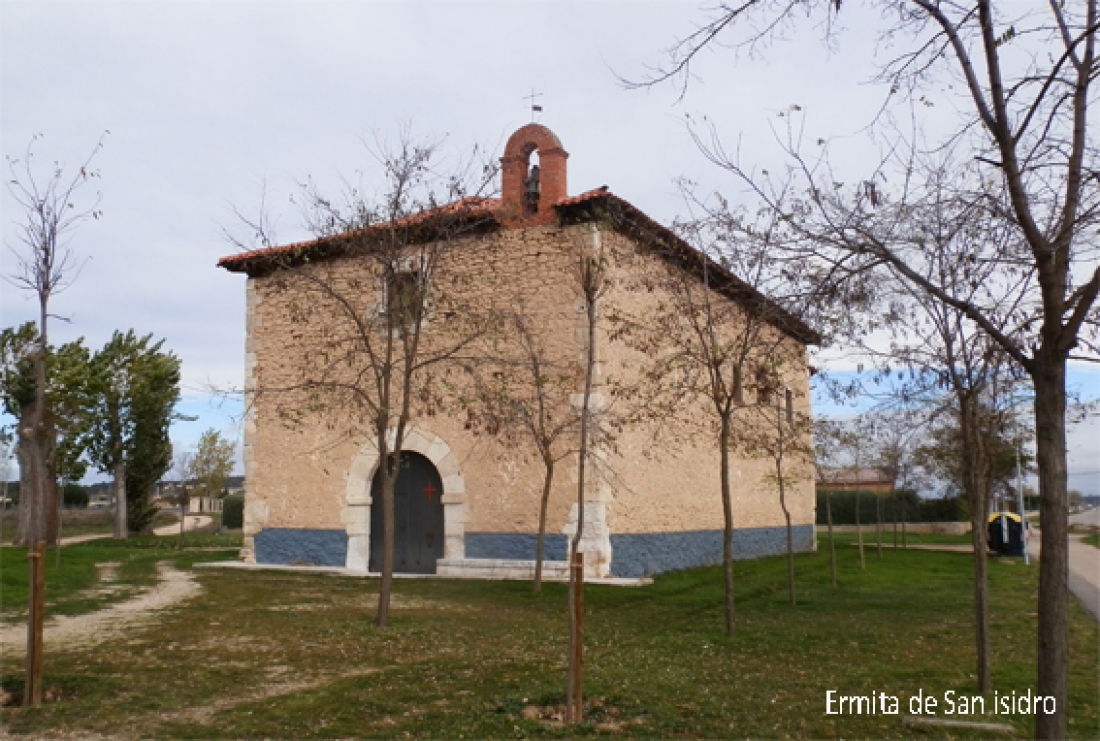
(827, 435)
(182, 467)
(591, 279)
(977, 378)
(364, 292)
(783, 435)
(45, 266)
(1023, 101)
(952, 366)
(526, 397)
(856, 438)
(714, 340)
(898, 433)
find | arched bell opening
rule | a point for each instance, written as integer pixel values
(533, 178)
(532, 184)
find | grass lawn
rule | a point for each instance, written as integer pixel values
(888, 539)
(1093, 540)
(201, 540)
(281, 655)
(69, 581)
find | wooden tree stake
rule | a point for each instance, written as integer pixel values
(578, 638)
(32, 691)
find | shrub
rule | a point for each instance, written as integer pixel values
(233, 512)
(901, 504)
(946, 509)
(74, 496)
(140, 512)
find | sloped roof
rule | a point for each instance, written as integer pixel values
(475, 211)
(601, 204)
(484, 214)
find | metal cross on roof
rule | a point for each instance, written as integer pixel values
(534, 108)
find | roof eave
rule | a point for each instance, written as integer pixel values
(259, 262)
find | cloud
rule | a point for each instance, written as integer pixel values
(204, 100)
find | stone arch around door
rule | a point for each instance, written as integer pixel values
(357, 509)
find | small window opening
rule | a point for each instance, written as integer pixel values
(765, 387)
(738, 387)
(789, 402)
(404, 297)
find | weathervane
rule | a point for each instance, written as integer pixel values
(534, 108)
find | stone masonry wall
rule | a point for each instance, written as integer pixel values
(673, 484)
(299, 449)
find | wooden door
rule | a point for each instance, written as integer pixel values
(418, 517)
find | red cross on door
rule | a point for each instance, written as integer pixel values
(430, 490)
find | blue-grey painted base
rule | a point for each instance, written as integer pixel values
(634, 555)
(302, 547)
(514, 546)
(645, 554)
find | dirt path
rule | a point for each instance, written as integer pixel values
(74, 539)
(193, 522)
(173, 587)
(263, 690)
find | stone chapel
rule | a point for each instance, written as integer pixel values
(466, 504)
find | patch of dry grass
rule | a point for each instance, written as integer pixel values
(282, 655)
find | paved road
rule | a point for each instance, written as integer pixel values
(1084, 565)
(1090, 517)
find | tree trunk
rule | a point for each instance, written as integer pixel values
(832, 546)
(727, 530)
(121, 528)
(25, 515)
(37, 517)
(894, 516)
(390, 463)
(878, 525)
(787, 515)
(183, 514)
(904, 520)
(859, 535)
(3, 502)
(981, 595)
(975, 476)
(547, 482)
(574, 692)
(1050, 435)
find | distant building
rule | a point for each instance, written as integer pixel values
(203, 505)
(854, 479)
(100, 500)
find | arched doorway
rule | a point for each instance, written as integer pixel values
(417, 517)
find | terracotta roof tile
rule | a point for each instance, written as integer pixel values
(625, 217)
(473, 207)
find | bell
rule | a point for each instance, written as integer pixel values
(531, 185)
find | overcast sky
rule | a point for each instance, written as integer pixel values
(204, 101)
